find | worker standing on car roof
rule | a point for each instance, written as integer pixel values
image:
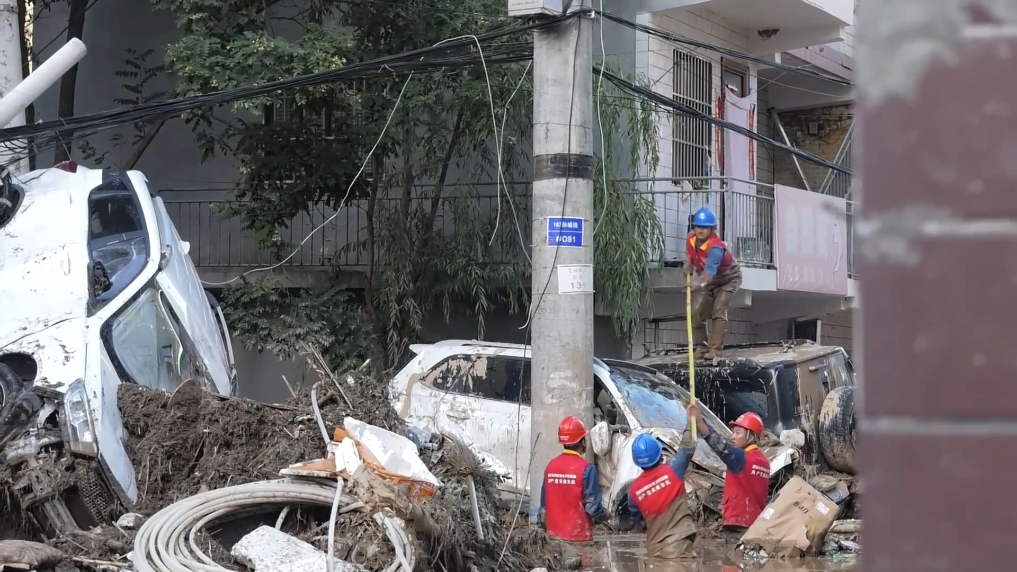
(747, 482)
(570, 498)
(657, 496)
(719, 278)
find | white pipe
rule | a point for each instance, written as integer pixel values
(47, 74)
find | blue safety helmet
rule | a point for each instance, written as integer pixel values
(704, 217)
(645, 451)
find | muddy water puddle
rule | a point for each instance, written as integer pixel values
(627, 553)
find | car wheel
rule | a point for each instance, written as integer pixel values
(837, 429)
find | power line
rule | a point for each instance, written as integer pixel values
(670, 103)
(454, 55)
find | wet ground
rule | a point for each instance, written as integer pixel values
(626, 553)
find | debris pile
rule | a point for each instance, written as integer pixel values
(192, 441)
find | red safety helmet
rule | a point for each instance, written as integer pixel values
(571, 430)
(749, 421)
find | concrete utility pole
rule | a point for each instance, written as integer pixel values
(10, 73)
(562, 301)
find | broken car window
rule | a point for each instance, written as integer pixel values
(117, 239)
(488, 377)
(150, 350)
(658, 402)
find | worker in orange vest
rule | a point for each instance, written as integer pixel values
(719, 278)
(570, 498)
(747, 482)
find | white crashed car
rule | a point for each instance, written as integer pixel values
(96, 289)
(473, 390)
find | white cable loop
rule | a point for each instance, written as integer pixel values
(167, 542)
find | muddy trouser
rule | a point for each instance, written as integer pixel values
(732, 534)
(711, 304)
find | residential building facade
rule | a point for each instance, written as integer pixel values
(701, 165)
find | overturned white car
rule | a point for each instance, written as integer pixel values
(96, 289)
(480, 393)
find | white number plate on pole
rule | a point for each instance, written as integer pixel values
(575, 278)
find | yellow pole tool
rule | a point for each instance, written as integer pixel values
(692, 355)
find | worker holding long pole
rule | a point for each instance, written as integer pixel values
(718, 279)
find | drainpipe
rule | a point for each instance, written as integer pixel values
(794, 158)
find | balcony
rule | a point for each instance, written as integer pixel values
(223, 249)
(798, 23)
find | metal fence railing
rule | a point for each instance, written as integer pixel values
(746, 220)
(210, 222)
(219, 239)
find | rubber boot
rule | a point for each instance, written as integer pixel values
(718, 328)
(699, 347)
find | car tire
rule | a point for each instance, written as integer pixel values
(837, 429)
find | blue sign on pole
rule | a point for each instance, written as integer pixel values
(565, 231)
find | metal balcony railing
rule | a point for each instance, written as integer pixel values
(218, 238)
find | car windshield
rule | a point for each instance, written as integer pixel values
(656, 401)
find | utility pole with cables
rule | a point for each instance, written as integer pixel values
(561, 308)
(10, 75)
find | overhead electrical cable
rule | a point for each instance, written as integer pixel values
(670, 103)
(459, 54)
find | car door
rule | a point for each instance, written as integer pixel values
(483, 400)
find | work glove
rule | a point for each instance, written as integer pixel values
(700, 282)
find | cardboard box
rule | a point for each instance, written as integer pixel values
(795, 523)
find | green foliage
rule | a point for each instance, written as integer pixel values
(268, 318)
(420, 184)
(628, 236)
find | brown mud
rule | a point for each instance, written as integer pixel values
(181, 446)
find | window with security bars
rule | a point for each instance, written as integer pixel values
(285, 110)
(693, 137)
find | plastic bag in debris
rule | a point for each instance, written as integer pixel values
(392, 456)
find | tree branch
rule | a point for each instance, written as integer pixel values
(450, 152)
(142, 145)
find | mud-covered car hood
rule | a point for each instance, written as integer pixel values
(44, 257)
(58, 351)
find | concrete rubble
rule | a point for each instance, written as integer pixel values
(269, 550)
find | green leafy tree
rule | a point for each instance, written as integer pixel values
(423, 172)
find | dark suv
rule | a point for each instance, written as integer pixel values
(786, 383)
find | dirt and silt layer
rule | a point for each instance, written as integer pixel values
(183, 447)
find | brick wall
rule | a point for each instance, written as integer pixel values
(835, 120)
(662, 335)
(837, 330)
